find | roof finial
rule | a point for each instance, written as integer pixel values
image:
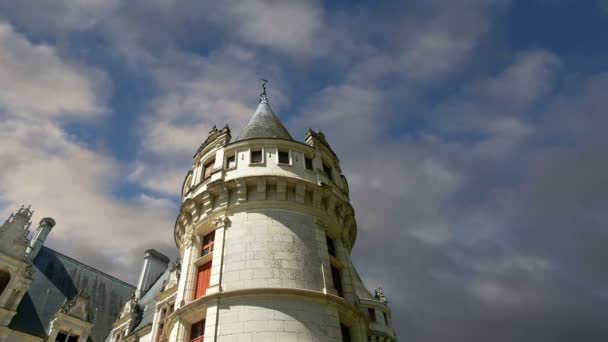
(263, 95)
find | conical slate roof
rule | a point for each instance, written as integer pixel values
(264, 124)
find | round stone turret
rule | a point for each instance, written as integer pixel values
(265, 231)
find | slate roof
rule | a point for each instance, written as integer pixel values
(148, 302)
(57, 277)
(264, 124)
(360, 289)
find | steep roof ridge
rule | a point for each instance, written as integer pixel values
(264, 124)
(89, 267)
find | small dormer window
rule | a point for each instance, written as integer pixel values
(231, 162)
(308, 163)
(283, 157)
(257, 157)
(66, 337)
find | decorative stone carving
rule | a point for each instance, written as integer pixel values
(380, 295)
(78, 307)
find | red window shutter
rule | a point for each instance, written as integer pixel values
(202, 280)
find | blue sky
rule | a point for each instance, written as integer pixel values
(471, 132)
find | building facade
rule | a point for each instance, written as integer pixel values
(265, 231)
(47, 296)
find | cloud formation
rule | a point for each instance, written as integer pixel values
(475, 159)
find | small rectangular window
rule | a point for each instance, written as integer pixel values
(337, 279)
(345, 333)
(327, 170)
(197, 331)
(308, 163)
(256, 157)
(372, 314)
(61, 337)
(73, 338)
(231, 162)
(283, 157)
(208, 169)
(331, 248)
(208, 242)
(385, 318)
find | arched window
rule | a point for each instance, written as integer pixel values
(5, 277)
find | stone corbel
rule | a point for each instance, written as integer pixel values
(194, 239)
(220, 222)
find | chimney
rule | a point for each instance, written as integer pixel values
(46, 224)
(155, 264)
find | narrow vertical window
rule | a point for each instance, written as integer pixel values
(308, 163)
(208, 169)
(161, 325)
(202, 280)
(385, 317)
(208, 242)
(345, 333)
(283, 157)
(5, 277)
(256, 157)
(372, 314)
(331, 248)
(327, 171)
(337, 279)
(197, 331)
(61, 337)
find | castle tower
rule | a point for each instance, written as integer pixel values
(265, 231)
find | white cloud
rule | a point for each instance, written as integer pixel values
(57, 173)
(43, 166)
(196, 94)
(58, 16)
(292, 26)
(35, 81)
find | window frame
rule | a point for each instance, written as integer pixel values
(312, 165)
(209, 165)
(331, 246)
(201, 336)
(328, 171)
(372, 314)
(233, 155)
(336, 277)
(209, 246)
(165, 312)
(279, 152)
(262, 153)
(67, 336)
